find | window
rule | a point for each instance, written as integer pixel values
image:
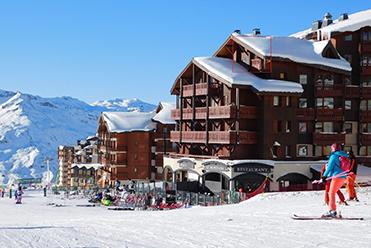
(288, 126)
(369, 104)
(303, 127)
(347, 148)
(365, 128)
(318, 127)
(348, 104)
(366, 60)
(328, 127)
(326, 150)
(282, 75)
(363, 105)
(303, 103)
(348, 127)
(287, 151)
(302, 150)
(288, 101)
(348, 37)
(363, 151)
(318, 151)
(366, 35)
(327, 102)
(303, 79)
(276, 101)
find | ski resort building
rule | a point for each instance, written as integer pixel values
(351, 36)
(132, 144)
(259, 107)
(65, 160)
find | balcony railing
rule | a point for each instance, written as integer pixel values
(364, 160)
(328, 91)
(219, 112)
(365, 47)
(328, 138)
(305, 114)
(365, 116)
(215, 137)
(352, 91)
(330, 114)
(365, 92)
(201, 89)
(366, 70)
(365, 139)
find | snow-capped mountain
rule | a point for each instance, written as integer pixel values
(130, 105)
(32, 127)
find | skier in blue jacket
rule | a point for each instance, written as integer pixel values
(337, 176)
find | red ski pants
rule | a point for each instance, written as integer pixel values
(335, 186)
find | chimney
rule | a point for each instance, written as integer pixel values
(343, 17)
(327, 19)
(256, 31)
(316, 25)
(237, 31)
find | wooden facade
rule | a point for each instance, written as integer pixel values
(215, 120)
(65, 159)
(354, 46)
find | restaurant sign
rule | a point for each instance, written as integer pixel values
(186, 163)
(215, 166)
(252, 168)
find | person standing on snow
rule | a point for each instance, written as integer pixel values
(352, 177)
(327, 189)
(337, 176)
(19, 194)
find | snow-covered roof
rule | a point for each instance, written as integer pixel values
(353, 23)
(120, 122)
(298, 50)
(233, 73)
(87, 166)
(164, 115)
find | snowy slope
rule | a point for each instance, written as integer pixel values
(263, 221)
(32, 127)
(126, 105)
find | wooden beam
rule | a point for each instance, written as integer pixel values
(181, 111)
(238, 115)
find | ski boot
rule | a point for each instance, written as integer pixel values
(330, 214)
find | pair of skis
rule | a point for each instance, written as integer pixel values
(306, 217)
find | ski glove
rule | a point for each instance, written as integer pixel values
(324, 180)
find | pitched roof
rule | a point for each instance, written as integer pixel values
(353, 23)
(233, 73)
(297, 50)
(164, 114)
(120, 122)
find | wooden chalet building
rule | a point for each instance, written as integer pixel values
(257, 99)
(351, 36)
(132, 144)
(65, 160)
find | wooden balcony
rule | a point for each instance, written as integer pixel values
(365, 92)
(365, 116)
(215, 137)
(220, 112)
(119, 149)
(365, 139)
(328, 138)
(201, 89)
(328, 91)
(305, 114)
(330, 114)
(365, 47)
(352, 91)
(366, 70)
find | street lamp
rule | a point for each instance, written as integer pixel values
(47, 160)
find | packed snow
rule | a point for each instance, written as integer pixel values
(235, 74)
(301, 51)
(263, 221)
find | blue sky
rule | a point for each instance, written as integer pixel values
(95, 50)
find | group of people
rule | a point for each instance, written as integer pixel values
(334, 176)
